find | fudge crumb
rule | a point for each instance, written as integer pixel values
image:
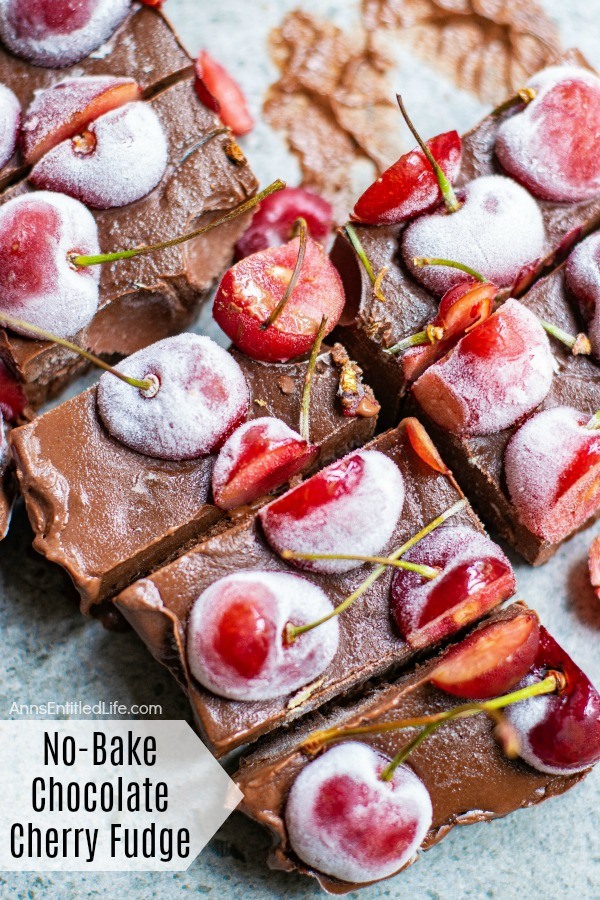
(357, 399)
(235, 153)
(260, 402)
(286, 384)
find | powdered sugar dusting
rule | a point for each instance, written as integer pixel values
(338, 801)
(360, 520)
(10, 121)
(38, 283)
(497, 231)
(23, 29)
(582, 274)
(203, 395)
(552, 146)
(128, 159)
(283, 598)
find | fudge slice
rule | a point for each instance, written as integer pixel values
(468, 777)
(159, 607)
(151, 297)
(109, 515)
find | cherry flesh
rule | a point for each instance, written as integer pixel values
(274, 221)
(218, 90)
(582, 275)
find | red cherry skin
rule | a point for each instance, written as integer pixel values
(273, 222)
(252, 288)
(12, 396)
(217, 90)
(409, 187)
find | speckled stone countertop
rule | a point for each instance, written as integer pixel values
(49, 652)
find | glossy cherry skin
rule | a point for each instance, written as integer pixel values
(582, 276)
(475, 576)
(259, 457)
(273, 222)
(551, 146)
(252, 288)
(559, 733)
(218, 90)
(552, 469)
(491, 660)
(236, 644)
(342, 820)
(12, 396)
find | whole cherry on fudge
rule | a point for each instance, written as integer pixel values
(582, 274)
(221, 93)
(10, 123)
(558, 733)
(352, 506)
(474, 577)
(273, 222)
(493, 377)
(38, 231)
(236, 644)
(344, 820)
(491, 660)
(552, 146)
(196, 396)
(552, 469)
(57, 33)
(65, 110)
(271, 303)
(259, 457)
(117, 159)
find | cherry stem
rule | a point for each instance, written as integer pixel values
(291, 632)
(82, 261)
(580, 344)
(450, 198)
(360, 251)
(522, 97)
(594, 421)
(430, 335)
(429, 572)
(145, 384)
(303, 233)
(308, 380)
(421, 261)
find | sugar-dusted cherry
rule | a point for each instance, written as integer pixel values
(582, 274)
(221, 93)
(236, 643)
(552, 468)
(558, 733)
(10, 123)
(273, 222)
(259, 457)
(252, 289)
(68, 107)
(475, 576)
(551, 146)
(491, 660)
(352, 506)
(117, 159)
(58, 32)
(199, 396)
(498, 230)
(345, 821)
(495, 375)
(38, 231)
(410, 187)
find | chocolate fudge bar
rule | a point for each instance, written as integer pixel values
(158, 607)
(468, 777)
(110, 515)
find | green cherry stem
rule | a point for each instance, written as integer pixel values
(145, 384)
(421, 261)
(450, 198)
(360, 252)
(429, 335)
(81, 261)
(428, 572)
(303, 233)
(294, 631)
(594, 421)
(522, 97)
(308, 380)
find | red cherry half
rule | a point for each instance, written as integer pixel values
(252, 288)
(494, 376)
(274, 220)
(236, 635)
(344, 821)
(552, 146)
(558, 733)
(490, 661)
(12, 396)
(552, 467)
(582, 275)
(259, 457)
(475, 577)
(410, 186)
(218, 90)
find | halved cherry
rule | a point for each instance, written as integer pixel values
(217, 90)
(259, 457)
(12, 396)
(424, 446)
(409, 187)
(490, 661)
(273, 222)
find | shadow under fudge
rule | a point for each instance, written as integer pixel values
(159, 607)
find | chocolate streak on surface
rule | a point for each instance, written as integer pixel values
(468, 777)
(110, 515)
(158, 608)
